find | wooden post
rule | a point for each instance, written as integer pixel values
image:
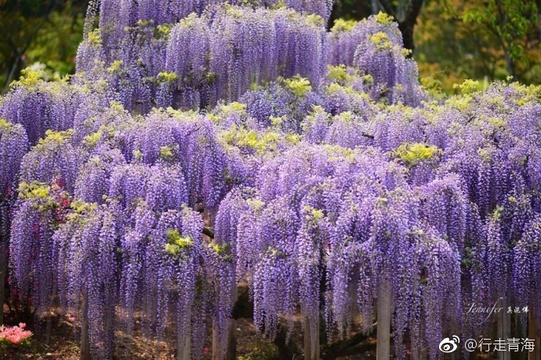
(383, 346)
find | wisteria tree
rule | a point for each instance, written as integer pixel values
(214, 160)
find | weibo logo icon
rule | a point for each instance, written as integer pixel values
(449, 345)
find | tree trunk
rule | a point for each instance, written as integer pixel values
(48, 328)
(3, 267)
(184, 343)
(85, 343)
(231, 349)
(383, 347)
(407, 25)
(407, 35)
(504, 329)
(311, 348)
(375, 6)
(509, 64)
(231, 352)
(4, 236)
(185, 348)
(534, 334)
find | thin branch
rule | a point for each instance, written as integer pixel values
(367, 135)
(209, 232)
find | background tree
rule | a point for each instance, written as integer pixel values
(475, 39)
(405, 12)
(46, 31)
(510, 23)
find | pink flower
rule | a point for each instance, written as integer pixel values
(14, 334)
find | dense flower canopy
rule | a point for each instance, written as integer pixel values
(324, 173)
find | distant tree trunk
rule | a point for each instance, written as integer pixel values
(534, 333)
(538, 29)
(85, 341)
(375, 6)
(231, 352)
(405, 14)
(407, 34)
(356, 10)
(4, 235)
(383, 346)
(311, 328)
(184, 344)
(504, 329)
(2, 279)
(509, 63)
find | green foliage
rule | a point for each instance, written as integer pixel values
(509, 20)
(57, 137)
(39, 194)
(81, 207)
(252, 140)
(337, 73)
(261, 351)
(412, 154)
(497, 213)
(315, 20)
(33, 190)
(485, 41)
(137, 154)
(256, 204)
(312, 214)
(166, 153)
(343, 25)
(434, 87)
(46, 32)
(81, 211)
(163, 30)
(232, 107)
(176, 244)
(92, 139)
(5, 125)
(223, 250)
(298, 85)
(381, 41)
(277, 5)
(56, 44)
(384, 18)
(165, 76)
(115, 66)
(468, 86)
